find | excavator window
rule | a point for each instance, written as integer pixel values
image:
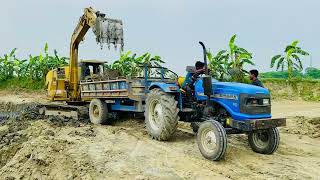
(91, 69)
(61, 73)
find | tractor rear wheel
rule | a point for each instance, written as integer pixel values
(212, 140)
(161, 114)
(98, 111)
(265, 141)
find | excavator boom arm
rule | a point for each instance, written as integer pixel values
(86, 21)
(109, 31)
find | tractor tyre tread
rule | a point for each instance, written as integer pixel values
(221, 140)
(170, 115)
(273, 145)
(103, 111)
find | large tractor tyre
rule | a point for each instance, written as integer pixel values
(212, 140)
(264, 141)
(161, 114)
(195, 126)
(98, 111)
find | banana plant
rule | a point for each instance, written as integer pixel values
(36, 67)
(2, 72)
(124, 64)
(147, 59)
(130, 65)
(232, 60)
(291, 59)
(239, 57)
(7, 64)
(57, 61)
(218, 64)
(32, 67)
(44, 62)
(20, 67)
(40, 65)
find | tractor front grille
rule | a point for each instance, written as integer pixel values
(254, 104)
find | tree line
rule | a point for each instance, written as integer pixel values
(310, 73)
(226, 64)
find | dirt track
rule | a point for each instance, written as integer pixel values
(45, 149)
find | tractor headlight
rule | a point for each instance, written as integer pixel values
(266, 101)
(258, 102)
(253, 102)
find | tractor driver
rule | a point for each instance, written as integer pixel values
(191, 77)
(253, 75)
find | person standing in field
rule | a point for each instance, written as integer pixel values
(254, 78)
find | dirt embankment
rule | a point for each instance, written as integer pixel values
(308, 90)
(56, 148)
(304, 126)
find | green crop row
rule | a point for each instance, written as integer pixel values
(32, 68)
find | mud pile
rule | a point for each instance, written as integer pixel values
(39, 152)
(14, 118)
(9, 110)
(303, 126)
(27, 139)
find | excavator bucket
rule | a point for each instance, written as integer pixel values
(108, 31)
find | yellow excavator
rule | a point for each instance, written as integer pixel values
(63, 83)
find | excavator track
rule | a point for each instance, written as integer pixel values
(69, 111)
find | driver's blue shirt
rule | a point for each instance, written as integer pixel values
(188, 80)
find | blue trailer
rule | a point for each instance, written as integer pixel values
(214, 108)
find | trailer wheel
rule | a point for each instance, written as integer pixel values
(212, 140)
(98, 111)
(195, 126)
(264, 141)
(161, 114)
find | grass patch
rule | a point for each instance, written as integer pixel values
(25, 84)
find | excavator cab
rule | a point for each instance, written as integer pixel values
(91, 69)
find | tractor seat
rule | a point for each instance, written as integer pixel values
(180, 81)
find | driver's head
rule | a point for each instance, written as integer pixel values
(253, 74)
(199, 65)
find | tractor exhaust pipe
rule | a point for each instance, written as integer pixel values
(207, 79)
(204, 57)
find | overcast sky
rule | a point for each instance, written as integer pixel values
(169, 28)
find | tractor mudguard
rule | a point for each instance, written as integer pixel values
(165, 87)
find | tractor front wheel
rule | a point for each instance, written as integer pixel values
(212, 140)
(264, 141)
(161, 114)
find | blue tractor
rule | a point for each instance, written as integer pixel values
(213, 108)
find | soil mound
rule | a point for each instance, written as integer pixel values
(304, 126)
